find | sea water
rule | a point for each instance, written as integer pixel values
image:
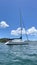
(18, 54)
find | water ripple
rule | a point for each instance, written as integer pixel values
(18, 55)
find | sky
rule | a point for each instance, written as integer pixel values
(10, 18)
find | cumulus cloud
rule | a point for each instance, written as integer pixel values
(30, 31)
(3, 24)
(18, 31)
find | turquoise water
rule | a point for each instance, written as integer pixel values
(18, 55)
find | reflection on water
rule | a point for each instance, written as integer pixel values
(18, 55)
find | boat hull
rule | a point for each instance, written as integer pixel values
(17, 43)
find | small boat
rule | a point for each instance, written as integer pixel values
(18, 41)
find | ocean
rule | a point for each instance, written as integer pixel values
(18, 54)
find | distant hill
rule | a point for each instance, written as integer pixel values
(4, 39)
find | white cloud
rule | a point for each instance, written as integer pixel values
(18, 31)
(3, 24)
(30, 31)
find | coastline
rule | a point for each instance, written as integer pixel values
(3, 40)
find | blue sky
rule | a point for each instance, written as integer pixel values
(10, 14)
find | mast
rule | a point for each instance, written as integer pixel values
(20, 26)
(25, 33)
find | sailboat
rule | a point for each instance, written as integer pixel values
(18, 41)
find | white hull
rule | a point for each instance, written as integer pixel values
(16, 43)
